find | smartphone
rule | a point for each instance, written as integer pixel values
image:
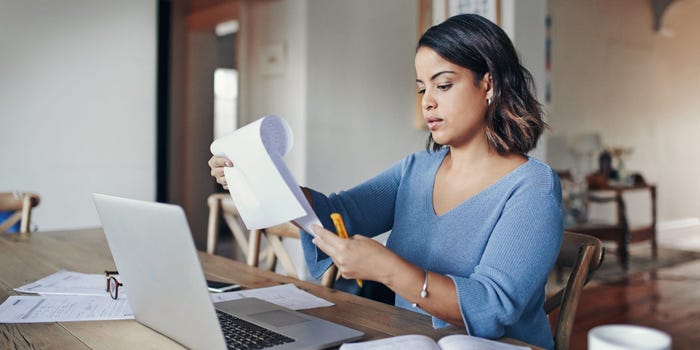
(220, 287)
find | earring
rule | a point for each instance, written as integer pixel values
(488, 101)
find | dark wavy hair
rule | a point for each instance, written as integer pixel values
(514, 119)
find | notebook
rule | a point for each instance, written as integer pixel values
(157, 261)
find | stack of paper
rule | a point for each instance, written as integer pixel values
(68, 283)
(63, 297)
(63, 308)
(262, 187)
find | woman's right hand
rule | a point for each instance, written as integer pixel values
(217, 165)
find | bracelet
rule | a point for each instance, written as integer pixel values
(424, 290)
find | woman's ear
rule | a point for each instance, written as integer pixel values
(487, 84)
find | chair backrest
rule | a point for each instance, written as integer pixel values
(221, 206)
(583, 254)
(20, 204)
(250, 242)
(277, 251)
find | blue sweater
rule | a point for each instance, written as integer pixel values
(497, 246)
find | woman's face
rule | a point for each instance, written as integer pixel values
(453, 105)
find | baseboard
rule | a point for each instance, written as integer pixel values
(678, 224)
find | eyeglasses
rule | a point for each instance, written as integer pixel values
(113, 284)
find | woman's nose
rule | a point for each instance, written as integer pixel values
(428, 102)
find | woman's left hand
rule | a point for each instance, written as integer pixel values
(356, 257)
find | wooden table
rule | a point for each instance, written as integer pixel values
(43, 253)
(620, 230)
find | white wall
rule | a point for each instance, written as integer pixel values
(361, 89)
(612, 74)
(269, 90)
(77, 104)
(347, 89)
(524, 22)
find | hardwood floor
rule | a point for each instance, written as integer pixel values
(667, 299)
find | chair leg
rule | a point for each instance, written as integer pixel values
(284, 259)
(329, 277)
(213, 224)
(253, 248)
(654, 248)
(623, 254)
(26, 216)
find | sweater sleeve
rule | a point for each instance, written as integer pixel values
(367, 209)
(510, 277)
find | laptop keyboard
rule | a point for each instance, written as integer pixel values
(240, 334)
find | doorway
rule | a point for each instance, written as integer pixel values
(204, 92)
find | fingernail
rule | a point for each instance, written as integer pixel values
(228, 163)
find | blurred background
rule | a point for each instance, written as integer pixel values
(125, 97)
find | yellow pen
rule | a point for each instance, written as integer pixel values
(343, 233)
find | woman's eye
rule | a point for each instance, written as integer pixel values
(444, 87)
(421, 91)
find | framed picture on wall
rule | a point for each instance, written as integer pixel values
(431, 12)
(489, 9)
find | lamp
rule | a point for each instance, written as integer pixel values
(584, 146)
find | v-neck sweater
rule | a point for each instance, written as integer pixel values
(497, 246)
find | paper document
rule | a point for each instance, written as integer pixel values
(287, 295)
(68, 283)
(34, 309)
(263, 189)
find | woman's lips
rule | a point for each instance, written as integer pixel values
(433, 122)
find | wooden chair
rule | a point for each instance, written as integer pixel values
(21, 203)
(583, 254)
(250, 242)
(274, 236)
(620, 229)
(221, 206)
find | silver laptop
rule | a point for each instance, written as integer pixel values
(157, 261)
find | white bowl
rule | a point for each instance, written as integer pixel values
(627, 337)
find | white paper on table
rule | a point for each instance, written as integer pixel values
(67, 308)
(262, 187)
(67, 283)
(287, 295)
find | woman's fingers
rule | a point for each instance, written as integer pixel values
(217, 165)
(222, 181)
(344, 252)
(326, 240)
(219, 162)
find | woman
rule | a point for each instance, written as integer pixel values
(475, 223)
